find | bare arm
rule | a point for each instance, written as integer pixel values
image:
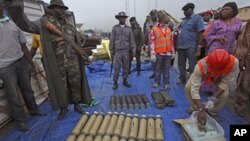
(33, 52)
(27, 54)
(16, 10)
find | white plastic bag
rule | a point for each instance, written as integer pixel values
(214, 133)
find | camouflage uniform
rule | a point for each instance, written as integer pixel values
(67, 60)
(121, 42)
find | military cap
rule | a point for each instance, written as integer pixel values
(132, 19)
(187, 6)
(57, 3)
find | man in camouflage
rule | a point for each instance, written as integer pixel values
(138, 41)
(121, 42)
(61, 61)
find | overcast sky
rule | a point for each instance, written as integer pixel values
(100, 14)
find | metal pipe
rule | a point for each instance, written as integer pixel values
(151, 129)
(96, 125)
(112, 123)
(119, 124)
(126, 127)
(134, 128)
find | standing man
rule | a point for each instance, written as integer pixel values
(121, 43)
(189, 40)
(62, 62)
(138, 41)
(218, 67)
(162, 48)
(149, 25)
(243, 54)
(14, 71)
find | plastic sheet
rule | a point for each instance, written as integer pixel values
(48, 128)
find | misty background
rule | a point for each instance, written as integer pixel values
(100, 14)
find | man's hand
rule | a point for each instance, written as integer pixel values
(153, 57)
(198, 52)
(201, 120)
(242, 65)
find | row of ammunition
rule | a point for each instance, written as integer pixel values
(129, 102)
(117, 127)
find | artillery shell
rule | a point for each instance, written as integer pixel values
(158, 129)
(96, 125)
(112, 123)
(151, 129)
(134, 127)
(104, 124)
(142, 128)
(126, 127)
(119, 124)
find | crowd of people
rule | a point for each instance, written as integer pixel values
(208, 42)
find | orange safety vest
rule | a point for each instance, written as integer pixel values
(163, 43)
(212, 75)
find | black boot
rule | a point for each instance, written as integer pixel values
(126, 84)
(78, 108)
(115, 86)
(62, 113)
(152, 76)
(138, 73)
(22, 126)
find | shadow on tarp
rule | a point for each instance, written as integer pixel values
(48, 128)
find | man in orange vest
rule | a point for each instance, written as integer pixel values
(218, 67)
(162, 48)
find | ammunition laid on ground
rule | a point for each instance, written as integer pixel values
(89, 124)
(117, 127)
(96, 125)
(134, 128)
(130, 102)
(151, 129)
(98, 138)
(87, 127)
(106, 138)
(119, 124)
(126, 127)
(142, 128)
(104, 124)
(118, 102)
(115, 138)
(140, 102)
(145, 100)
(124, 102)
(112, 102)
(169, 101)
(89, 138)
(75, 132)
(112, 123)
(158, 129)
(135, 102)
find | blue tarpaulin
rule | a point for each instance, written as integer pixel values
(48, 128)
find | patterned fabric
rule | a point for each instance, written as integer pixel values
(220, 29)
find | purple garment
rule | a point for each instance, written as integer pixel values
(220, 29)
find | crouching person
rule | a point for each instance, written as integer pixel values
(218, 67)
(161, 45)
(14, 71)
